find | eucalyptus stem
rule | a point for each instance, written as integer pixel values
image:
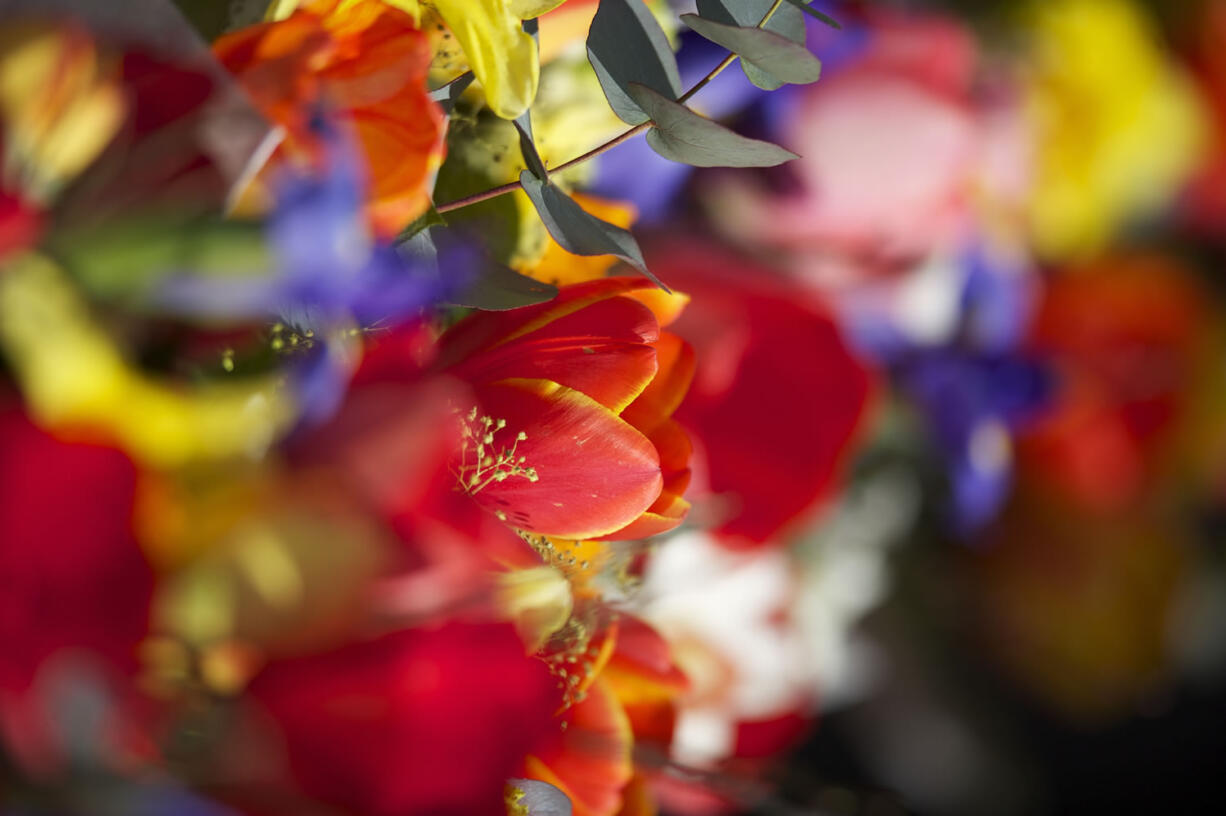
(495, 192)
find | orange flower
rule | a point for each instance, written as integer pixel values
(369, 62)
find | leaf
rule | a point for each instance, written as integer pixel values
(499, 288)
(775, 54)
(815, 14)
(430, 218)
(446, 95)
(579, 232)
(681, 135)
(523, 124)
(626, 45)
(786, 21)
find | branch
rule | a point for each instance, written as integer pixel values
(625, 136)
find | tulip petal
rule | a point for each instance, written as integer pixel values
(595, 473)
(601, 350)
(590, 763)
(675, 362)
(502, 56)
(486, 330)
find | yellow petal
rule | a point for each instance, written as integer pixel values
(528, 9)
(280, 9)
(72, 376)
(500, 54)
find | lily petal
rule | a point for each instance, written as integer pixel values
(502, 56)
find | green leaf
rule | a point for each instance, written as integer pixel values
(579, 232)
(125, 260)
(626, 45)
(681, 135)
(499, 288)
(430, 218)
(446, 95)
(815, 14)
(786, 21)
(775, 54)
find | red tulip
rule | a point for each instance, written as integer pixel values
(416, 722)
(73, 580)
(572, 433)
(777, 397)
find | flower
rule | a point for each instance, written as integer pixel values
(366, 60)
(727, 616)
(898, 157)
(777, 397)
(1100, 94)
(572, 433)
(1126, 337)
(73, 580)
(60, 105)
(415, 722)
(502, 56)
(73, 375)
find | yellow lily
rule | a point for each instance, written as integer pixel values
(501, 55)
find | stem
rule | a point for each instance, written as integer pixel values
(625, 136)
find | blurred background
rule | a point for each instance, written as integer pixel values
(958, 536)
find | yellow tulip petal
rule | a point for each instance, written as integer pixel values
(501, 55)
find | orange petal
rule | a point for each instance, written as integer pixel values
(590, 763)
(675, 363)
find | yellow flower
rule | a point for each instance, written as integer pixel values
(72, 376)
(501, 55)
(1118, 126)
(59, 107)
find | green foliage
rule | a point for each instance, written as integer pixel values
(681, 135)
(626, 45)
(125, 260)
(786, 21)
(578, 231)
(447, 95)
(499, 288)
(777, 58)
(815, 14)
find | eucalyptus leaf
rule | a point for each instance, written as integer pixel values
(499, 288)
(523, 125)
(430, 218)
(625, 44)
(785, 21)
(815, 14)
(679, 134)
(775, 54)
(446, 95)
(579, 232)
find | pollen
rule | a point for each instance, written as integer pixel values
(484, 460)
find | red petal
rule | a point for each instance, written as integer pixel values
(590, 763)
(777, 396)
(602, 350)
(484, 330)
(596, 472)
